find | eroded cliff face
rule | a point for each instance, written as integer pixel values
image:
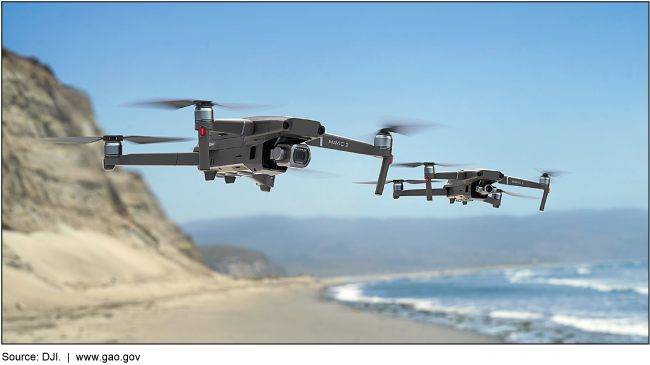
(46, 186)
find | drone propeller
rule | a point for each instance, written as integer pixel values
(390, 181)
(400, 125)
(556, 173)
(406, 126)
(134, 139)
(517, 195)
(313, 174)
(416, 164)
(178, 104)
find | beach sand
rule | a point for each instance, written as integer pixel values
(277, 311)
(57, 288)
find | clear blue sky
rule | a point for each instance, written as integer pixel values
(553, 85)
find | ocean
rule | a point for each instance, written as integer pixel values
(570, 303)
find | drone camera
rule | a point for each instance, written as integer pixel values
(296, 156)
(486, 189)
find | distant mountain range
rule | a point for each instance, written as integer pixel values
(331, 246)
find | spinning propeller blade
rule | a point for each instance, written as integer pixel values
(145, 139)
(313, 174)
(71, 140)
(517, 195)
(178, 104)
(390, 181)
(416, 164)
(134, 139)
(406, 126)
(556, 173)
(399, 125)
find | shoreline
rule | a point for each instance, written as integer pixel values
(272, 311)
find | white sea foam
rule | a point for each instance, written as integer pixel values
(353, 293)
(515, 315)
(619, 326)
(641, 289)
(517, 276)
(527, 276)
(597, 285)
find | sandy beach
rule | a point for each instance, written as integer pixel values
(237, 311)
(58, 288)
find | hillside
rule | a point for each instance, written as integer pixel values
(239, 262)
(68, 225)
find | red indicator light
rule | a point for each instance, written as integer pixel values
(202, 131)
(549, 190)
(391, 159)
(427, 178)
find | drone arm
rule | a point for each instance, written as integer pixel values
(383, 172)
(515, 181)
(541, 206)
(450, 175)
(422, 192)
(155, 159)
(242, 127)
(334, 142)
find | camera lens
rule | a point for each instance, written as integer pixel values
(300, 156)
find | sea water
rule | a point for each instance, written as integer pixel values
(572, 303)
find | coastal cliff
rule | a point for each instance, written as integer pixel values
(66, 222)
(239, 262)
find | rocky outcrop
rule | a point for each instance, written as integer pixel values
(239, 262)
(46, 186)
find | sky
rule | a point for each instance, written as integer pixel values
(559, 86)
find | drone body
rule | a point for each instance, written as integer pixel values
(470, 185)
(259, 148)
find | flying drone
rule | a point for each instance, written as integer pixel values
(259, 148)
(468, 184)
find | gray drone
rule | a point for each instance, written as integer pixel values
(468, 184)
(258, 148)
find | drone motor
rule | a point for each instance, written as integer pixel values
(112, 149)
(383, 141)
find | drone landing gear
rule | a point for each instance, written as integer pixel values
(108, 167)
(229, 179)
(209, 175)
(452, 200)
